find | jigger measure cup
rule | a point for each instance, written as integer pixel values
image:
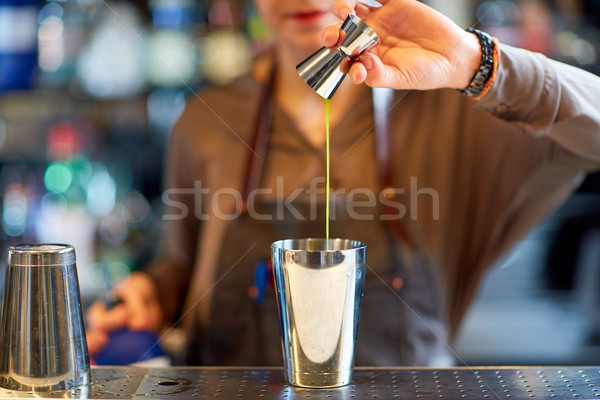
(43, 346)
(319, 286)
(325, 70)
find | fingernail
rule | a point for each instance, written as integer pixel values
(367, 62)
(328, 37)
(344, 13)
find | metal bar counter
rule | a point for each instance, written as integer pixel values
(368, 383)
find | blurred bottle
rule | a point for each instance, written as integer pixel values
(224, 51)
(170, 59)
(536, 27)
(500, 19)
(18, 44)
(111, 64)
(259, 33)
(61, 34)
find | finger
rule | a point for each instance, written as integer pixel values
(122, 288)
(102, 319)
(148, 318)
(139, 310)
(367, 60)
(358, 73)
(95, 314)
(330, 35)
(377, 74)
(96, 341)
(362, 10)
(141, 302)
(342, 8)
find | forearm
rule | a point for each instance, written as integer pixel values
(547, 98)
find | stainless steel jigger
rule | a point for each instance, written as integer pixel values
(42, 336)
(325, 69)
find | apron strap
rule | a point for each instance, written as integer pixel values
(260, 138)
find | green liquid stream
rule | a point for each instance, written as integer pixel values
(327, 185)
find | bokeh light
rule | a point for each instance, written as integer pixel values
(101, 193)
(14, 211)
(135, 207)
(53, 203)
(58, 177)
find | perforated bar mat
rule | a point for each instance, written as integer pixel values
(368, 383)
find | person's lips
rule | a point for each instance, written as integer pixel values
(308, 17)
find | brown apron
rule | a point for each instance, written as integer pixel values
(403, 320)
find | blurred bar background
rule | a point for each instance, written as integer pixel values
(89, 90)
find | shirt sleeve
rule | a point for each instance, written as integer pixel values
(548, 98)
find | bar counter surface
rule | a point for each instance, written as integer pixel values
(367, 383)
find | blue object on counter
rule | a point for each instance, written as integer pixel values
(127, 347)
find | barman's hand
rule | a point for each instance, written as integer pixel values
(420, 48)
(138, 310)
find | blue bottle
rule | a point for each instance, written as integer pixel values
(18, 44)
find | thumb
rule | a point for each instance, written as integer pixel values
(330, 35)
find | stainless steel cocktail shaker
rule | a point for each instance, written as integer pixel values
(319, 286)
(43, 346)
(326, 68)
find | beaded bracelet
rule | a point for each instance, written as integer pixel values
(484, 77)
(490, 82)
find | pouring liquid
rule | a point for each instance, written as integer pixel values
(327, 168)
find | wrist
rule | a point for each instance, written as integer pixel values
(469, 59)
